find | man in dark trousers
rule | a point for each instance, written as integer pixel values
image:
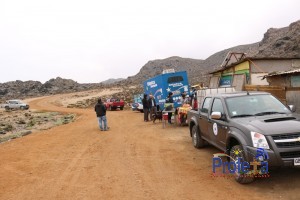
(100, 110)
(145, 108)
(169, 99)
(152, 106)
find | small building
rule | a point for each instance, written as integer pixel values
(279, 76)
(249, 70)
(290, 81)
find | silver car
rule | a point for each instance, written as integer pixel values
(15, 104)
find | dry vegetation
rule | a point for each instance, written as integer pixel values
(14, 124)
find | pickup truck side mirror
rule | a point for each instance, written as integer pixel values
(292, 108)
(216, 115)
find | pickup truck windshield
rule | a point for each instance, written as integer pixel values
(255, 105)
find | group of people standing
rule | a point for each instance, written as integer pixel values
(149, 105)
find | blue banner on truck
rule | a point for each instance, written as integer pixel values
(161, 85)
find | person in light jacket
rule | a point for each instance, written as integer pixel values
(152, 106)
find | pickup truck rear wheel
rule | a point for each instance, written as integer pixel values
(22, 108)
(235, 153)
(121, 108)
(198, 142)
(6, 108)
(110, 108)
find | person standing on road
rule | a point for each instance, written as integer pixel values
(145, 108)
(169, 99)
(152, 106)
(100, 110)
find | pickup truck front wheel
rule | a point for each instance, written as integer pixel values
(198, 142)
(7, 108)
(235, 153)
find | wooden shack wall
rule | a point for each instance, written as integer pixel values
(267, 66)
(284, 81)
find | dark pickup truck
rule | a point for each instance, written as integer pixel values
(241, 123)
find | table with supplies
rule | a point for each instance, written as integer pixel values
(182, 113)
(168, 108)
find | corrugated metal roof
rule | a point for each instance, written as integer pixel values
(282, 73)
(249, 59)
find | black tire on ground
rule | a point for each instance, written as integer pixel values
(121, 108)
(110, 108)
(22, 108)
(198, 142)
(239, 177)
(7, 108)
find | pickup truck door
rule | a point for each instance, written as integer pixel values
(203, 118)
(218, 129)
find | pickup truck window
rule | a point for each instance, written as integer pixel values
(217, 106)
(205, 105)
(255, 105)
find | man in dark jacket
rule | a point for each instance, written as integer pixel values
(100, 110)
(169, 99)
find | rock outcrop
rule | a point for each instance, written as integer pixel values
(282, 42)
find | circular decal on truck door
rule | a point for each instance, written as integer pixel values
(215, 129)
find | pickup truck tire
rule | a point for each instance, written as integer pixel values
(240, 178)
(7, 108)
(110, 108)
(121, 108)
(22, 108)
(198, 142)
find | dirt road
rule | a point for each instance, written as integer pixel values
(134, 160)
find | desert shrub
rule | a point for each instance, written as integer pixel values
(31, 123)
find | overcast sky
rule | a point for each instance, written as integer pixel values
(93, 40)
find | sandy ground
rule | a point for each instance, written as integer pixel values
(134, 160)
(72, 98)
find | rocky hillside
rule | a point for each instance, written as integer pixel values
(197, 69)
(112, 80)
(23, 89)
(281, 42)
(155, 67)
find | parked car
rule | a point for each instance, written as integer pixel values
(114, 103)
(242, 123)
(15, 104)
(137, 107)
